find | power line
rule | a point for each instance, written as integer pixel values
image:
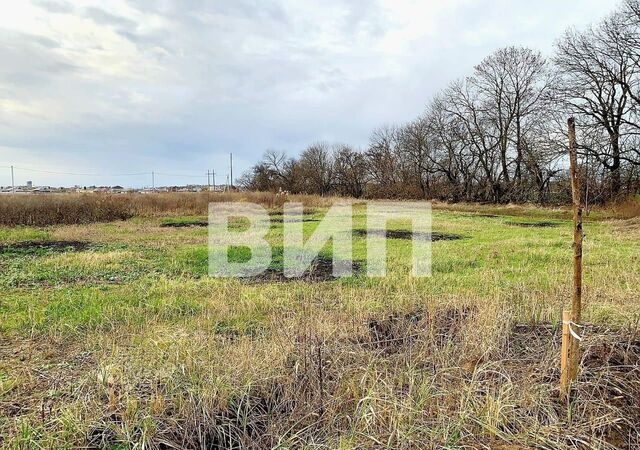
(28, 169)
(81, 174)
(177, 175)
(134, 174)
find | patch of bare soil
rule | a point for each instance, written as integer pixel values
(534, 224)
(321, 270)
(392, 332)
(184, 224)
(45, 246)
(408, 235)
(528, 341)
(277, 219)
(293, 213)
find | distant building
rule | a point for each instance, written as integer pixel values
(29, 184)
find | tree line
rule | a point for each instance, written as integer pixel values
(498, 135)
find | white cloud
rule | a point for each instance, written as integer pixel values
(178, 84)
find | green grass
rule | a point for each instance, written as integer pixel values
(131, 342)
(17, 234)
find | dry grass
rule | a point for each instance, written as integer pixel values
(52, 209)
(126, 344)
(442, 376)
(628, 208)
(39, 210)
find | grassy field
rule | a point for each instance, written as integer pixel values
(112, 336)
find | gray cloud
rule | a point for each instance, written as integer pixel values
(102, 17)
(176, 85)
(54, 6)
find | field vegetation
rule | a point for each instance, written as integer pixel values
(73, 209)
(112, 336)
(51, 209)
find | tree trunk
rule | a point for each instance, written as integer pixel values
(616, 183)
(518, 173)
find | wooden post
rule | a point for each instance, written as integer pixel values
(564, 356)
(571, 352)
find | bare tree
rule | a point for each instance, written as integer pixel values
(382, 161)
(498, 135)
(595, 85)
(414, 148)
(316, 169)
(350, 169)
(511, 84)
(451, 158)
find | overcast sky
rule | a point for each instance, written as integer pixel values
(173, 86)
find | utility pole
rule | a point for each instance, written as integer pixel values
(153, 181)
(13, 183)
(231, 169)
(209, 178)
(213, 176)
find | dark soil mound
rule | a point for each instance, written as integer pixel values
(45, 246)
(408, 235)
(281, 220)
(534, 224)
(196, 223)
(321, 270)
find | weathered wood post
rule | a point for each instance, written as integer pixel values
(571, 320)
(564, 356)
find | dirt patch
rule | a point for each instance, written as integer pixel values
(437, 327)
(277, 219)
(321, 270)
(273, 219)
(197, 223)
(614, 353)
(534, 224)
(528, 341)
(29, 247)
(297, 216)
(408, 235)
(293, 213)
